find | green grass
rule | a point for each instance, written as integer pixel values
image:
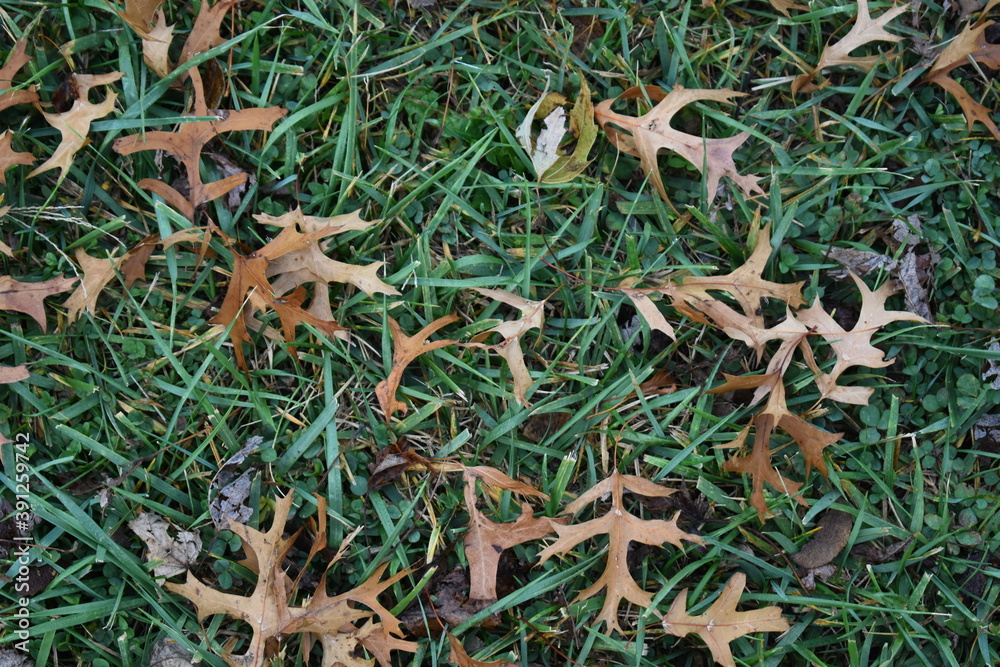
(409, 115)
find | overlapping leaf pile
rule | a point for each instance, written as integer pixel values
(693, 298)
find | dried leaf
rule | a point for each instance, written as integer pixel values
(267, 609)
(9, 157)
(187, 143)
(854, 348)
(11, 374)
(406, 349)
(204, 34)
(485, 540)
(139, 14)
(16, 59)
(550, 162)
(651, 133)
(156, 46)
(622, 529)
(74, 125)
(459, 657)
(175, 554)
(311, 264)
(532, 317)
(864, 31)
(97, 273)
(28, 298)
(722, 624)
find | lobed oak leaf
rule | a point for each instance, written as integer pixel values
(9, 157)
(187, 143)
(532, 317)
(74, 125)
(622, 528)
(271, 617)
(97, 273)
(485, 540)
(406, 349)
(971, 43)
(28, 298)
(865, 30)
(311, 264)
(140, 14)
(204, 35)
(651, 133)
(721, 623)
(16, 59)
(459, 657)
(854, 347)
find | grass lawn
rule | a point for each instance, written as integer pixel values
(135, 391)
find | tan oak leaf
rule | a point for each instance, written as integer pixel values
(532, 317)
(622, 528)
(721, 623)
(645, 136)
(28, 298)
(74, 125)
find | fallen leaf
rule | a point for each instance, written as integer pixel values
(173, 555)
(854, 348)
(551, 163)
(74, 125)
(16, 59)
(459, 657)
(204, 35)
(139, 14)
(28, 298)
(271, 617)
(97, 273)
(11, 374)
(651, 133)
(9, 157)
(532, 317)
(722, 624)
(311, 264)
(622, 528)
(864, 31)
(187, 143)
(406, 349)
(485, 540)
(156, 46)
(134, 266)
(972, 44)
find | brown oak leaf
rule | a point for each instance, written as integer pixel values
(97, 273)
(865, 30)
(249, 285)
(532, 317)
(9, 157)
(647, 135)
(970, 43)
(459, 657)
(187, 143)
(271, 616)
(311, 264)
(28, 298)
(486, 541)
(721, 623)
(406, 349)
(16, 59)
(854, 347)
(74, 125)
(622, 528)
